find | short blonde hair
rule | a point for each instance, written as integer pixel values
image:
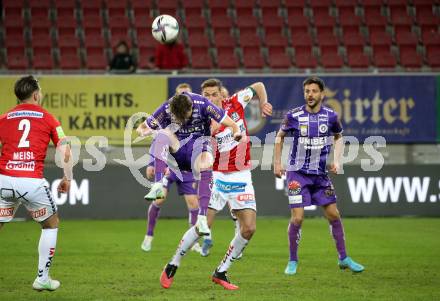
(183, 86)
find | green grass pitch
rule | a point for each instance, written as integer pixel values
(102, 260)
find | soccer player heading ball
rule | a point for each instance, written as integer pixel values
(186, 186)
(183, 124)
(313, 127)
(25, 132)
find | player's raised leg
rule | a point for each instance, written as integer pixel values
(46, 252)
(204, 164)
(160, 148)
(337, 230)
(247, 218)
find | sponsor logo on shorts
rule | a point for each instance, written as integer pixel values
(38, 213)
(294, 188)
(245, 197)
(20, 165)
(5, 212)
(19, 114)
(230, 186)
(295, 199)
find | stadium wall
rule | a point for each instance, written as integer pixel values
(402, 108)
(396, 190)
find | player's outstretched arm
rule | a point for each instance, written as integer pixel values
(265, 106)
(336, 166)
(67, 163)
(144, 130)
(277, 166)
(228, 122)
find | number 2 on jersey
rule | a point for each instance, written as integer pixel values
(25, 126)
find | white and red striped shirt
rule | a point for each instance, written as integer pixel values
(231, 155)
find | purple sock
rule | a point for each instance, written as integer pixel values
(294, 238)
(153, 215)
(204, 191)
(337, 230)
(159, 169)
(192, 216)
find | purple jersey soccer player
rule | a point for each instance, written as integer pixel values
(184, 123)
(313, 127)
(186, 186)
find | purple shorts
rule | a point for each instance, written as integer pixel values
(189, 151)
(187, 186)
(305, 190)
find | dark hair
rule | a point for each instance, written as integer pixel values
(212, 82)
(122, 43)
(315, 80)
(25, 86)
(180, 105)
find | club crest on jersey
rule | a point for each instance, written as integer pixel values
(303, 130)
(235, 116)
(294, 188)
(323, 128)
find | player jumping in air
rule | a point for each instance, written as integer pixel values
(232, 179)
(25, 132)
(313, 127)
(189, 116)
(186, 187)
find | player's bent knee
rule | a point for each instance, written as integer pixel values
(297, 220)
(51, 223)
(150, 173)
(247, 231)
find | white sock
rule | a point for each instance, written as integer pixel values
(46, 251)
(237, 226)
(188, 239)
(237, 246)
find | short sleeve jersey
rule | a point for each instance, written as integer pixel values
(312, 138)
(25, 133)
(198, 124)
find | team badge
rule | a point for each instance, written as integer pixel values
(294, 188)
(303, 130)
(330, 191)
(235, 116)
(323, 128)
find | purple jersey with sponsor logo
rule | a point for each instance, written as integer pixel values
(199, 123)
(312, 135)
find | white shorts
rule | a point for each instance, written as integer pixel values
(235, 189)
(33, 193)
